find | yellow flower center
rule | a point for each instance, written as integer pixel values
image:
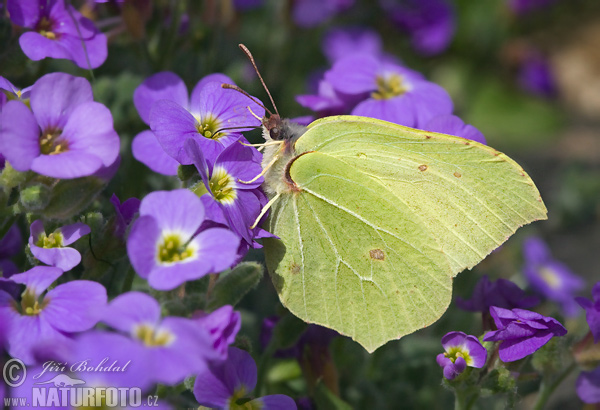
(456, 351)
(54, 240)
(151, 336)
(51, 143)
(550, 277)
(222, 186)
(389, 87)
(208, 127)
(173, 249)
(30, 305)
(239, 401)
(45, 27)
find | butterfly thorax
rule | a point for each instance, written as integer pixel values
(277, 178)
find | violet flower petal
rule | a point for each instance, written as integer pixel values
(146, 149)
(165, 85)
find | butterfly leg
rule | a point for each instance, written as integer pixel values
(264, 171)
(265, 209)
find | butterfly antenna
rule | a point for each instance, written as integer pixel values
(249, 55)
(238, 89)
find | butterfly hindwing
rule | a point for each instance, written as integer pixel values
(353, 258)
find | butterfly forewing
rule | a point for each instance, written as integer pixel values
(470, 196)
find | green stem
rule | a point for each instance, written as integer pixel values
(460, 400)
(128, 282)
(546, 389)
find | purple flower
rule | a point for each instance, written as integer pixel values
(98, 359)
(226, 199)
(549, 277)
(588, 386)
(535, 76)
(66, 309)
(51, 249)
(58, 31)
(452, 125)
(592, 311)
(214, 118)
(521, 332)
(391, 92)
(164, 244)
(125, 212)
(223, 325)
(64, 135)
(341, 42)
(429, 23)
(223, 383)
(501, 293)
(172, 347)
(462, 350)
(328, 101)
(10, 92)
(145, 147)
(311, 13)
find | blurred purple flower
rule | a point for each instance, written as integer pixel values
(166, 247)
(392, 92)
(527, 6)
(340, 42)
(549, 277)
(316, 336)
(223, 325)
(501, 293)
(225, 382)
(10, 245)
(328, 101)
(125, 213)
(64, 135)
(592, 311)
(172, 347)
(452, 125)
(462, 350)
(429, 23)
(521, 332)
(535, 76)
(588, 386)
(247, 4)
(66, 309)
(226, 199)
(51, 249)
(311, 13)
(208, 117)
(58, 31)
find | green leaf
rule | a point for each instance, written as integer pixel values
(378, 218)
(325, 399)
(233, 285)
(510, 119)
(71, 196)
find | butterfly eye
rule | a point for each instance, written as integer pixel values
(274, 133)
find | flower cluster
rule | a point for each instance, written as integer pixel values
(369, 83)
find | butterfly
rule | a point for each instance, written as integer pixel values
(374, 219)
